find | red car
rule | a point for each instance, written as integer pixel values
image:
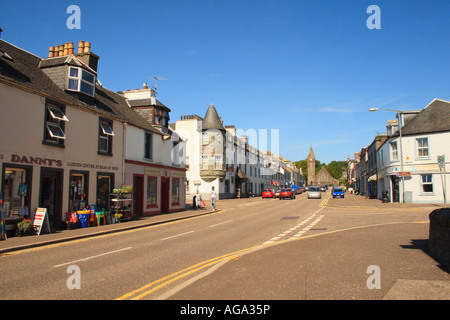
(268, 193)
(286, 193)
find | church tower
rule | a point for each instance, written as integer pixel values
(311, 160)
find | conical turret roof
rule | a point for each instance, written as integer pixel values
(212, 119)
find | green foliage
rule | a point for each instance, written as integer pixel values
(335, 168)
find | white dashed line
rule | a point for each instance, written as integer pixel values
(299, 234)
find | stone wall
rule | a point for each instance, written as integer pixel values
(439, 242)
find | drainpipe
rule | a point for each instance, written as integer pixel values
(124, 149)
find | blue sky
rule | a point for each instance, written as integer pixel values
(309, 68)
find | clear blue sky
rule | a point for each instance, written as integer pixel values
(309, 68)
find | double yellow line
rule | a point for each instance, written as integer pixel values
(158, 284)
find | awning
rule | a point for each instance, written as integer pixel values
(241, 176)
(373, 178)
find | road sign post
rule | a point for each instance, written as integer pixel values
(441, 164)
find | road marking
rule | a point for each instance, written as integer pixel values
(285, 233)
(92, 257)
(149, 288)
(218, 224)
(177, 235)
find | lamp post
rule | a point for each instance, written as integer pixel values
(400, 124)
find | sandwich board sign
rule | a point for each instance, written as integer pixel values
(40, 220)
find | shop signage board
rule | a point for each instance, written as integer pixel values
(40, 220)
(403, 174)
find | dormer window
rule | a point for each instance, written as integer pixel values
(81, 80)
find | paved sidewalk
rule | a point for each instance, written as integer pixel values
(362, 202)
(20, 243)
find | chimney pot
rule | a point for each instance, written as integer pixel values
(87, 47)
(51, 52)
(70, 48)
(61, 50)
(80, 46)
(66, 47)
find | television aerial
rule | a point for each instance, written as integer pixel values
(157, 78)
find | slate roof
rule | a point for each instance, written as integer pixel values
(146, 102)
(432, 119)
(212, 119)
(23, 70)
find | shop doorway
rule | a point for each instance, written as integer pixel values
(164, 195)
(50, 196)
(138, 195)
(395, 189)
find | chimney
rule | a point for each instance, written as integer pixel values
(80, 46)
(86, 56)
(145, 85)
(51, 52)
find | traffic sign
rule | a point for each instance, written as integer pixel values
(441, 161)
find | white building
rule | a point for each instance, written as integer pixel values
(246, 171)
(424, 137)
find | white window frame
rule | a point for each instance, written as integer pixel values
(59, 133)
(422, 148)
(423, 183)
(394, 151)
(205, 162)
(205, 138)
(218, 163)
(79, 80)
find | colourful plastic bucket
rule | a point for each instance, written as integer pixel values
(84, 219)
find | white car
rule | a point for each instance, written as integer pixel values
(314, 193)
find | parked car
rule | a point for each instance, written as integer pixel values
(314, 193)
(277, 193)
(286, 193)
(338, 192)
(268, 193)
(323, 189)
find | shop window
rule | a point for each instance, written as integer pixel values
(175, 190)
(55, 120)
(151, 191)
(105, 183)
(427, 183)
(105, 136)
(81, 80)
(148, 146)
(78, 190)
(16, 191)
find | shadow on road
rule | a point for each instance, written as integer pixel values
(422, 244)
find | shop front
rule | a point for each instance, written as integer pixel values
(157, 189)
(58, 185)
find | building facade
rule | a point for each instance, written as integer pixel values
(424, 137)
(64, 141)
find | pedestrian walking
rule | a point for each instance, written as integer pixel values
(212, 197)
(198, 201)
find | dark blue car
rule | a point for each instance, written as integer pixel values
(338, 192)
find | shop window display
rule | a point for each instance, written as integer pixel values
(15, 192)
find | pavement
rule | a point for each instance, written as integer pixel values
(436, 288)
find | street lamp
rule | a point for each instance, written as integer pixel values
(400, 124)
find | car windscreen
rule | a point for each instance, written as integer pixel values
(313, 189)
(338, 190)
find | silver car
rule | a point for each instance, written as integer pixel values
(314, 193)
